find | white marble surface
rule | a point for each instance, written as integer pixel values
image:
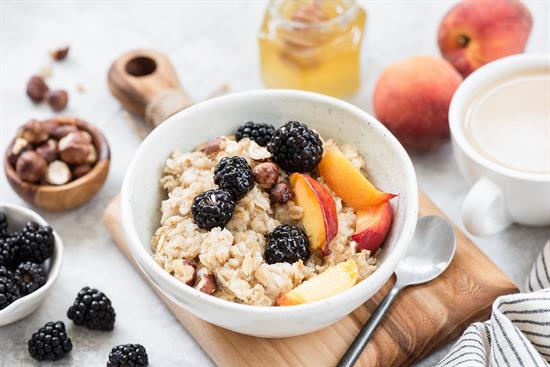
(210, 43)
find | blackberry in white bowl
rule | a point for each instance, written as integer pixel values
(30, 260)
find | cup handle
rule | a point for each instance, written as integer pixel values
(483, 211)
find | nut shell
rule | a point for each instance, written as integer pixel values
(31, 167)
(60, 53)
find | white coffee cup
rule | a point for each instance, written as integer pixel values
(499, 194)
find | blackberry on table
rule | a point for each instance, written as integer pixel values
(29, 277)
(36, 242)
(213, 208)
(10, 250)
(3, 225)
(9, 292)
(296, 148)
(50, 342)
(233, 174)
(260, 133)
(92, 309)
(287, 243)
(128, 355)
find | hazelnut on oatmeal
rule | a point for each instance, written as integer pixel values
(270, 217)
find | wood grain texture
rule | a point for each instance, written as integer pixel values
(146, 84)
(423, 318)
(74, 193)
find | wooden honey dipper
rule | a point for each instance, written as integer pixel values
(146, 84)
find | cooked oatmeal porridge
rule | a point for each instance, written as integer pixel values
(269, 228)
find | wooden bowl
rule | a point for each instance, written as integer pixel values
(73, 194)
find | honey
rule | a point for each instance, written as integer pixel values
(312, 45)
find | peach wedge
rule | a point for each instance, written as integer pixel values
(372, 226)
(330, 282)
(320, 219)
(348, 182)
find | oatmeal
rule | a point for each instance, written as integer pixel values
(221, 225)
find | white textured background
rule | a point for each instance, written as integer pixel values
(209, 43)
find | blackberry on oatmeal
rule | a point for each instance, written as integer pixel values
(263, 249)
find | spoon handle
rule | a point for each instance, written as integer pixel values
(361, 340)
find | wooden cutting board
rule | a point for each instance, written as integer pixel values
(423, 318)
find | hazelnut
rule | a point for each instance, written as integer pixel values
(30, 166)
(92, 156)
(206, 282)
(48, 150)
(33, 131)
(81, 170)
(36, 88)
(58, 173)
(74, 148)
(213, 146)
(60, 131)
(280, 193)
(57, 99)
(186, 271)
(19, 146)
(60, 53)
(266, 174)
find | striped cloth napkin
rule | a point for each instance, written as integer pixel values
(518, 333)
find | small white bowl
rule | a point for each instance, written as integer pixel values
(24, 306)
(387, 164)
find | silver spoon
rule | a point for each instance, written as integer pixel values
(430, 252)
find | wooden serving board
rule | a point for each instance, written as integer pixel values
(423, 318)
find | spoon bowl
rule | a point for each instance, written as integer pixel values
(429, 253)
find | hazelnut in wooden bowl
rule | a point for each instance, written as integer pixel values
(57, 164)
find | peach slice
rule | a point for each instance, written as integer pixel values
(348, 182)
(330, 282)
(320, 219)
(372, 226)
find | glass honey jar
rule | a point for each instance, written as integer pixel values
(313, 45)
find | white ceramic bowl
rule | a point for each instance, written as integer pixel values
(24, 306)
(387, 163)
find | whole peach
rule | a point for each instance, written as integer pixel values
(412, 99)
(475, 32)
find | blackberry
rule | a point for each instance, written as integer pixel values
(213, 208)
(9, 292)
(29, 277)
(10, 250)
(36, 242)
(3, 225)
(233, 174)
(287, 243)
(50, 342)
(93, 310)
(128, 355)
(296, 148)
(5, 272)
(260, 133)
